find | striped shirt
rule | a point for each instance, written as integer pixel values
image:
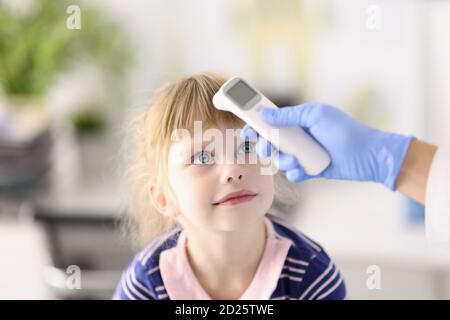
(292, 267)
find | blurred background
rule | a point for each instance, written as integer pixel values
(70, 70)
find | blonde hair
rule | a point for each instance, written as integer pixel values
(147, 141)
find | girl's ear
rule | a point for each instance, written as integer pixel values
(162, 203)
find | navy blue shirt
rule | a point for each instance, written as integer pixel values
(292, 267)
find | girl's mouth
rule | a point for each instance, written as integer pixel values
(236, 198)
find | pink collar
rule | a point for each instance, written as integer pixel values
(181, 284)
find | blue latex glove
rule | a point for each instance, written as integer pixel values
(357, 152)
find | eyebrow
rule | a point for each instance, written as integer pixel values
(189, 149)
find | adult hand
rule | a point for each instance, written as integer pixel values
(357, 151)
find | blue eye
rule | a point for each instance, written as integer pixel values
(202, 157)
(247, 147)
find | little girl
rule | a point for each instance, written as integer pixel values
(207, 225)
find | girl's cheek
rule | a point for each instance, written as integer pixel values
(203, 187)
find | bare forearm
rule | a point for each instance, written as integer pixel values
(413, 176)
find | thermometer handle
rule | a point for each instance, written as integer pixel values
(293, 140)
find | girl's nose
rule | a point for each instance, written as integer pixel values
(232, 175)
(240, 177)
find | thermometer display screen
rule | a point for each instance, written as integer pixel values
(241, 93)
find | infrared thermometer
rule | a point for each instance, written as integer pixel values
(243, 100)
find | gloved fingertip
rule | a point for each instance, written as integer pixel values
(295, 175)
(263, 148)
(285, 161)
(248, 133)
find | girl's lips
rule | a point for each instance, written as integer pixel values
(237, 200)
(235, 194)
